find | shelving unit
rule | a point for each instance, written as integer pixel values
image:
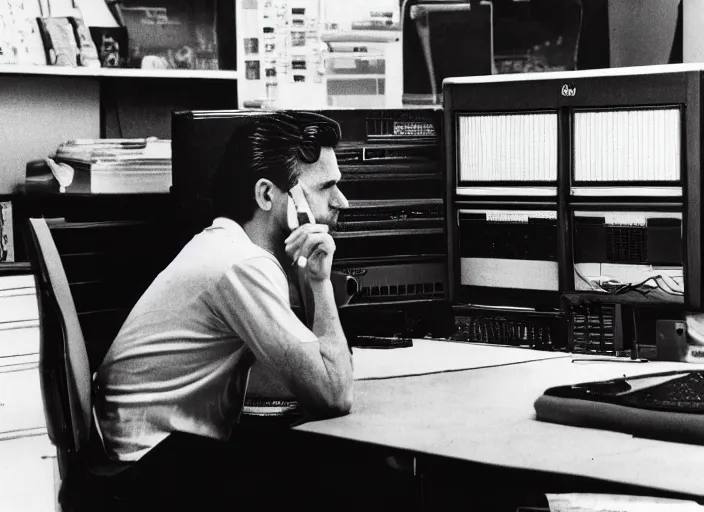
(174, 74)
(43, 106)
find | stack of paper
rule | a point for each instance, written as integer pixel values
(119, 165)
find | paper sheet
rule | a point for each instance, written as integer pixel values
(96, 13)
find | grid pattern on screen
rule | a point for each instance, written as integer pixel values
(627, 145)
(508, 148)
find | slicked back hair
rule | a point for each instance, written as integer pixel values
(271, 146)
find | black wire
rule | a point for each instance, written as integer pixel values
(118, 118)
(672, 292)
(625, 288)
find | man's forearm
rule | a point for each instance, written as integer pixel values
(333, 344)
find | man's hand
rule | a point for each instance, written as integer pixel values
(313, 242)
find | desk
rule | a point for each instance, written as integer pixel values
(486, 416)
(433, 356)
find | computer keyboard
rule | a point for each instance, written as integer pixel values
(685, 394)
(678, 391)
(668, 406)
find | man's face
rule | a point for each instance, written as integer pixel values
(319, 182)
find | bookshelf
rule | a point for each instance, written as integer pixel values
(107, 73)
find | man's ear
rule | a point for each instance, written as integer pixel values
(263, 194)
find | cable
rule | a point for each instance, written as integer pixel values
(670, 291)
(118, 118)
(625, 288)
(594, 286)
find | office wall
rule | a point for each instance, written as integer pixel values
(37, 113)
(693, 31)
(344, 12)
(642, 31)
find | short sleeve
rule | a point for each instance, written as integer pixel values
(252, 299)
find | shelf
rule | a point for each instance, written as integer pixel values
(376, 203)
(387, 260)
(15, 268)
(418, 302)
(655, 298)
(478, 309)
(361, 36)
(18, 70)
(361, 76)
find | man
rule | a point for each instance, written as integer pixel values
(172, 385)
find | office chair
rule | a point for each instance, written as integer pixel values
(66, 381)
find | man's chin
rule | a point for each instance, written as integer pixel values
(331, 223)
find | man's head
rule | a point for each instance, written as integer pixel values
(271, 154)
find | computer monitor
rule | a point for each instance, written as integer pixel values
(575, 183)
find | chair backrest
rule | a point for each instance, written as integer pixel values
(89, 276)
(64, 367)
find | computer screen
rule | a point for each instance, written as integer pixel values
(613, 155)
(507, 148)
(508, 255)
(628, 146)
(636, 254)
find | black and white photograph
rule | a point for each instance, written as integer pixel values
(411, 255)
(111, 43)
(7, 237)
(251, 46)
(253, 69)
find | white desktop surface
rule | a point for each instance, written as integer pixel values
(486, 415)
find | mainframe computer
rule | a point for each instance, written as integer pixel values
(573, 204)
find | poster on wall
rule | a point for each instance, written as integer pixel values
(7, 243)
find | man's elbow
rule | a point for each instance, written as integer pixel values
(337, 404)
(343, 404)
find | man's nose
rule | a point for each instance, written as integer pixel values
(341, 201)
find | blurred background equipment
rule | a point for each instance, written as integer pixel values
(178, 34)
(441, 40)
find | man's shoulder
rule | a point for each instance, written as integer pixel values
(217, 255)
(263, 269)
(229, 247)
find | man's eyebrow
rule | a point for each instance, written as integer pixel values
(328, 184)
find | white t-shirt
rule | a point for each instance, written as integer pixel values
(181, 360)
